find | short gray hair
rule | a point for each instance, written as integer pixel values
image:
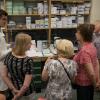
(65, 47)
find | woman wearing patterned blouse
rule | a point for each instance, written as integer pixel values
(86, 58)
(59, 84)
(20, 69)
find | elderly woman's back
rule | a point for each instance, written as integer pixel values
(59, 84)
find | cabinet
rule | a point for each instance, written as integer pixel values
(30, 16)
(66, 15)
(45, 19)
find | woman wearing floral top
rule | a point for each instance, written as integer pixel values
(59, 84)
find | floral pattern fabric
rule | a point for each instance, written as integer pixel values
(59, 85)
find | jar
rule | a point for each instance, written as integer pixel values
(35, 10)
(30, 10)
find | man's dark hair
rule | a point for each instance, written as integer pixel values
(86, 31)
(2, 12)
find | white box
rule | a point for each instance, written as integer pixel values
(28, 22)
(81, 9)
(40, 8)
(39, 45)
(73, 10)
(53, 25)
(32, 26)
(54, 10)
(46, 22)
(45, 8)
(80, 20)
(62, 11)
(59, 24)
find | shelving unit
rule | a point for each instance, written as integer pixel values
(21, 10)
(67, 15)
(30, 15)
(61, 19)
(69, 1)
(59, 15)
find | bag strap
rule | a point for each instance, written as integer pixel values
(64, 69)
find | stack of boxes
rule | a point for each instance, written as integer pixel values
(9, 7)
(39, 23)
(42, 23)
(73, 15)
(80, 18)
(54, 22)
(18, 8)
(73, 10)
(28, 22)
(69, 15)
(59, 24)
(46, 23)
(64, 22)
(42, 8)
(54, 10)
(15, 7)
(80, 9)
(87, 8)
(1, 5)
(45, 8)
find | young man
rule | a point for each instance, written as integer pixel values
(3, 48)
(3, 44)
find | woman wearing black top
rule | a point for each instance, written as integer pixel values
(20, 68)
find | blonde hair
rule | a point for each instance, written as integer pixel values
(22, 41)
(65, 47)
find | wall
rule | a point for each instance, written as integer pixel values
(95, 11)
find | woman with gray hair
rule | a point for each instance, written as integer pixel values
(59, 84)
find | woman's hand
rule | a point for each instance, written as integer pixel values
(98, 85)
(16, 97)
(15, 91)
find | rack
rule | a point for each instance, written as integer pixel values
(57, 21)
(57, 17)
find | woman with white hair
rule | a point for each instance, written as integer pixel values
(59, 84)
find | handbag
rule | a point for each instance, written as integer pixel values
(74, 86)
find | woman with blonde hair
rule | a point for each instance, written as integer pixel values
(20, 69)
(59, 84)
